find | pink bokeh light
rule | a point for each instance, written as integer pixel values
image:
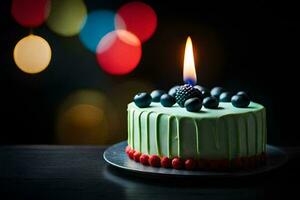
(119, 52)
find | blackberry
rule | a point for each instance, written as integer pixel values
(186, 92)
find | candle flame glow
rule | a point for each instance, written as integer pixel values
(189, 71)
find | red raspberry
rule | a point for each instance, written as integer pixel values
(154, 161)
(136, 156)
(127, 149)
(144, 159)
(130, 153)
(177, 163)
(166, 162)
(190, 164)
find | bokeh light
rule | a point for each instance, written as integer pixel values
(67, 17)
(32, 54)
(119, 52)
(30, 13)
(85, 118)
(139, 18)
(98, 24)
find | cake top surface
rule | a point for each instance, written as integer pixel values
(223, 110)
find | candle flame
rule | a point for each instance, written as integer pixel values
(189, 71)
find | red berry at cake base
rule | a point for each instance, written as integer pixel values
(136, 156)
(166, 162)
(127, 149)
(144, 159)
(190, 164)
(177, 163)
(131, 153)
(154, 161)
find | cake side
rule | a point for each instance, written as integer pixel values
(215, 134)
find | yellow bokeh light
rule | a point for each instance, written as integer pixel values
(85, 117)
(67, 17)
(32, 54)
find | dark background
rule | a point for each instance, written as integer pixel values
(241, 45)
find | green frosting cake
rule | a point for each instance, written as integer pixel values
(226, 133)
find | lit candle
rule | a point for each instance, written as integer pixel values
(189, 71)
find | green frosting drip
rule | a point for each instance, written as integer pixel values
(247, 132)
(168, 136)
(256, 132)
(132, 129)
(178, 135)
(215, 133)
(197, 138)
(157, 134)
(238, 137)
(228, 139)
(140, 132)
(147, 132)
(265, 131)
(128, 127)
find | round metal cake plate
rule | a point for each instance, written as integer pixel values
(116, 156)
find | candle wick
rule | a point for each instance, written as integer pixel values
(190, 81)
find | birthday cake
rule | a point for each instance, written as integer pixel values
(192, 128)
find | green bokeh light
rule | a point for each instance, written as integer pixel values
(67, 17)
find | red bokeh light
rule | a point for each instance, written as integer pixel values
(119, 52)
(139, 18)
(30, 13)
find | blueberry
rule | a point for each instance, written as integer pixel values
(142, 99)
(240, 101)
(225, 97)
(216, 91)
(167, 100)
(156, 94)
(242, 93)
(211, 102)
(193, 104)
(173, 90)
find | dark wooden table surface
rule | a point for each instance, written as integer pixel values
(79, 172)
